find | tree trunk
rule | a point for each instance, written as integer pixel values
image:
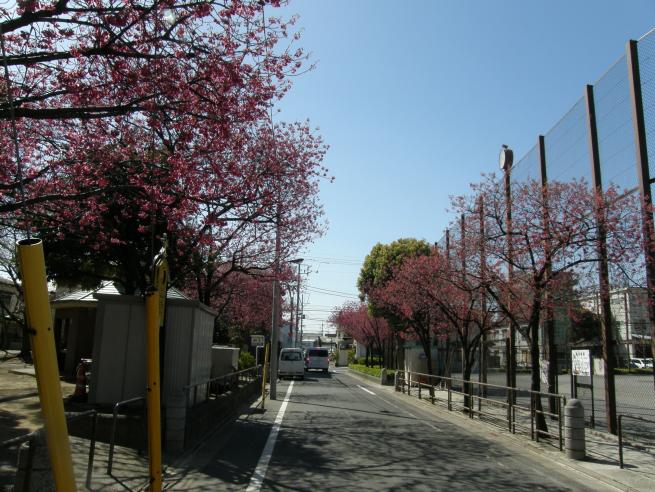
(368, 351)
(428, 355)
(535, 379)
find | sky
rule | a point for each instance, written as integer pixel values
(415, 99)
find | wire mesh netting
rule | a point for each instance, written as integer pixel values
(527, 168)
(566, 147)
(616, 143)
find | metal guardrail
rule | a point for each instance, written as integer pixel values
(620, 429)
(112, 439)
(17, 441)
(406, 380)
(216, 385)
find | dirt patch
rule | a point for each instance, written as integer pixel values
(21, 410)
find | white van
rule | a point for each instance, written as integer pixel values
(317, 358)
(291, 363)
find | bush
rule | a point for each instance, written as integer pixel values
(246, 360)
(371, 371)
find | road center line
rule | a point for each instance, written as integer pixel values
(368, 391)
(262, 465)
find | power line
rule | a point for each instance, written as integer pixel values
(331, 291)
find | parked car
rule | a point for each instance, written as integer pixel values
(291, 363)
(317, 358)
(637, 363)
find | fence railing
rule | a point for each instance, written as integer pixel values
(112, 438)
(516, 409)
(221, 384)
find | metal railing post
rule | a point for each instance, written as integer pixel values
(509, 409)
(470, 384)
(532, 416)
(92, 450)
(620, 443)
(450, 395)
(433, 390)
(559, 421)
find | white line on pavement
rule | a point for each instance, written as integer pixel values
(368, 391)
(262, 465)
(423, 421)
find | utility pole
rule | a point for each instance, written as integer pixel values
(275, 323)
(297, 261)
(302, 317)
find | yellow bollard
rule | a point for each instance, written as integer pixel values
(39, 322)
(264, 375)
(153, 390)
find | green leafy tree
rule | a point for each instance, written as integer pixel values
(382, 261)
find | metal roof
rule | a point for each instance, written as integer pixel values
(108, 288)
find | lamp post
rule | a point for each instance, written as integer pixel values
(506, 160)
(297, 261)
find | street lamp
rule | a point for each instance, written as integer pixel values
(297, 261)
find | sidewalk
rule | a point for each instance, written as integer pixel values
(601, 464)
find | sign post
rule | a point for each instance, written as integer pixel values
(155, 312)
(581, 366)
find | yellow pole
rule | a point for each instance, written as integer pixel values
(264, 375)
(39, 323)
(153, 391)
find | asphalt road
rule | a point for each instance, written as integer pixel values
(337, 432)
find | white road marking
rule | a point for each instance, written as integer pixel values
(262, 465)
(423, 421)
(368, 391)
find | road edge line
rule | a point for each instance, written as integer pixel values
(259, 474)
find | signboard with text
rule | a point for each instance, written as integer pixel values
(543, 371)
(580, 363)
(256, 340)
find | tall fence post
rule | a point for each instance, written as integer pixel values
(549, 319)
(643, 173)
(507, 158)
(603, 270)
